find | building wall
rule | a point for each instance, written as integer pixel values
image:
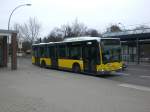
(4, 35)
(130, 53)
(3, 50)
(145, 52)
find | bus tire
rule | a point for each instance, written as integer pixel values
(43, 64)
(76, 68)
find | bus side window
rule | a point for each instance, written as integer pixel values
(42, 52)
(74, 52)
(62, 51)
(52, 51)
(35, 51)
(49, 51)
(86, 52)
(46, 52)
(93, 53)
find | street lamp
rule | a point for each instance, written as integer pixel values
(14, 11)
(9, 25)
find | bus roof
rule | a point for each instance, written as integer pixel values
(76, 39)
(81, 39)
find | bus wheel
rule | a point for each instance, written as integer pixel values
(76, 68)
(43, 64)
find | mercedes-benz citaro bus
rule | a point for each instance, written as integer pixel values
(94, 55)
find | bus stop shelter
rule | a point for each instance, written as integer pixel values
(135, 44)
(8, 46)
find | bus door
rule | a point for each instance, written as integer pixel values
(36, 51)
(89, 58)
(53, 56)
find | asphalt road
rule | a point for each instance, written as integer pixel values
(134, 74)
(34, 89)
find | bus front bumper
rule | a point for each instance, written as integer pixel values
(103, 72)
(108, 72)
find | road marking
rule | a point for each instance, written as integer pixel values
(146, 65)
(142, 88)
(125, 74)
(145, 76)
(134, 69)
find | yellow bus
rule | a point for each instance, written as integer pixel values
(81, 55)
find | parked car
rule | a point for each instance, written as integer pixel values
(28, 51)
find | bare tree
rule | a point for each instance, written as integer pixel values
(78, 29)
(30, 31)
(114, 28)
(74, 30)
(67, 31)
(93, 33)
(17, 28)
(55, 35)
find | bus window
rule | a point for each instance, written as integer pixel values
(91, 52)
(35, 51)
(51, 50)
(106, 56)
(74, 52)
(62, 51)
(46, 53)
(86, 54)
(43, 51)
(111, 51)
(94, 54)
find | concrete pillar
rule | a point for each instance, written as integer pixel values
(14, 51)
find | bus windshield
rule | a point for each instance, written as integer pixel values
(111, 50)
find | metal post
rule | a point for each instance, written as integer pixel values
(128, 58)
(137, 50)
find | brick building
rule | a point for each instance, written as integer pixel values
(8, 39)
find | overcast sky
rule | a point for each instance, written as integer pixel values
(97, 14)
